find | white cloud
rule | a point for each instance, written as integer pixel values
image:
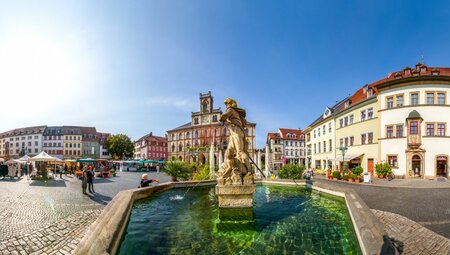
(175, 102)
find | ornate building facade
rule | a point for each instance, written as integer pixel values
(151, 147)
(191, 142)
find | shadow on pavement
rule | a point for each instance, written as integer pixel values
(102, 180)
(9, 179)
(99, 198)
(48, 183)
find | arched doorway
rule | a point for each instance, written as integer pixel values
(202, 159)
(441, 165)
(416, 166)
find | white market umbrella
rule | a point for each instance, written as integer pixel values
(24, 158)
(44, 157)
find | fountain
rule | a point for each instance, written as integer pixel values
(235, 181)
(233, 217)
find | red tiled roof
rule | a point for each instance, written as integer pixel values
(443, 71)
(285, 131)
(273, 135)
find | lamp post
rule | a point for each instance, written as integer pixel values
(343, 149)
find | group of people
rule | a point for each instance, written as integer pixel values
(87, 179)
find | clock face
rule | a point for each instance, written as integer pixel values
(205, 119)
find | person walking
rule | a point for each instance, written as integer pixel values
(90, 181)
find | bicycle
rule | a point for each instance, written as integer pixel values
(391, 177)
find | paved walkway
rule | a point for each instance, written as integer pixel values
(415, 238)
(51, 217)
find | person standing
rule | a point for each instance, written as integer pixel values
(84, 180)
(90, 180)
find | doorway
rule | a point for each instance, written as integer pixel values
(370, 166)
(416, 166)
(441, 166)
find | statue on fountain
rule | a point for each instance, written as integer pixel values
(235, 178)
(236, 169)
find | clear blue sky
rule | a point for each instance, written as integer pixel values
(139, 66)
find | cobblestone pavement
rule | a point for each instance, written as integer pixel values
(416, 239)
(58, 238)
(430, 207)
(33, 207)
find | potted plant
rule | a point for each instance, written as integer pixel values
(357, 171)
(336, 175)
(353, 177)
(379, 170)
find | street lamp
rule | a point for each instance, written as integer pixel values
(343, 150)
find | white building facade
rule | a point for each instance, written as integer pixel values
(414, 118)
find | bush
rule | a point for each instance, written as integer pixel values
(345, 177)
(358, 170)
(353, 176)
(336, 175)
(178, 170)
(202, 174)
(290, 171)
(383, 169)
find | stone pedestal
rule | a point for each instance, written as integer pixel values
(235, 196)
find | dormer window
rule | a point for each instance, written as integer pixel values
(423, 69)
(288, 135)
(347, 104)
(369, 93)
(435, 72)
(294, 136)
(398, 75)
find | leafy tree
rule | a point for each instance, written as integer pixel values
(290, 171)
(178, 170)
(120, 146)
(358, 170)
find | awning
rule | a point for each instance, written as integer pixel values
(348, 157)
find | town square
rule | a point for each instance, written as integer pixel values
(226, 127)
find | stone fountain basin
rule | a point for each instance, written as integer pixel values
(105, 234)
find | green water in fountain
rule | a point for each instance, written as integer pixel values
(284, 220)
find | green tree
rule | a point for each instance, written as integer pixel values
(178, 170)
(120, 146)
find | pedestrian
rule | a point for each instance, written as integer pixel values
(145, 182)
(84, 180)
(66, 169)
(60, 171)
(90, 181)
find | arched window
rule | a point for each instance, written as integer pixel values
(173, 147)
(180, 136)
(288, 135)
(180, 147)
(246, 132)
(188, 135)
(294, 136)
(173, 137)
(205, 106)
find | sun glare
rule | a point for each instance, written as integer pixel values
(37, 69)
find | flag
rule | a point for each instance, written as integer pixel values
(195, 137)
(214, 138)
(204, 136)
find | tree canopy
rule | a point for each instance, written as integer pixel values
(120, 146)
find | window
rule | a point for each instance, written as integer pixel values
(341, 142)
(195, 121)
(390, 102)
(399, 100)
(370, 138)
(363, 138)
(314, 133)
(346, 121)
(363, 115)
(351, 119)
(369, 113)
(319, 148)
(352, 140)
(413, 128)
(318, 132)
(441, 98)
(346, 142)
(324, 146)
(341, 123)
(389, 131)
(430, 129)
(314, 148)
(399, 131)
(392, 160)
(322, 129)
(214, 118)
(329, 127)
(441, 129)
(414, 98)
(330, 144)
(430, 98)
